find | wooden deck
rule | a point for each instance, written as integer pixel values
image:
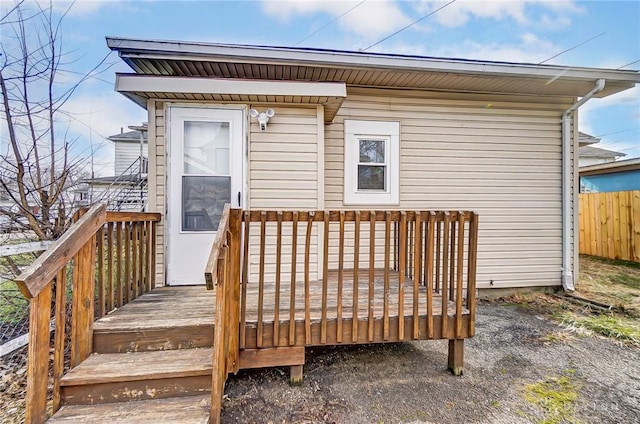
(192, 310)
(132, 344)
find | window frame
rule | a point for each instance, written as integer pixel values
(356, 130)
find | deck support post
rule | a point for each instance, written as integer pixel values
(295, 375)
(456, 356)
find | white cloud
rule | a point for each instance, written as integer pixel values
(460, 12)
(372, 19)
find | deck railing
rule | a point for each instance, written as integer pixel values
(384, 275)
(102, 262)
(222, 270)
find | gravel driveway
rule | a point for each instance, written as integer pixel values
(514, 361)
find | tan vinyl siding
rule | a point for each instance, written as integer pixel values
(283, 174)
(157, 179)
(497, 155)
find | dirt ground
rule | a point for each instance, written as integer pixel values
(521, 367)
(532, 361)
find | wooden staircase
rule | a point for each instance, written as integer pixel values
(150, 349)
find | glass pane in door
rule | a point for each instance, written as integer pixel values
(206, 180)
(206, 148)
(203, 199)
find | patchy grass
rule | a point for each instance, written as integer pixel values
(556, 397)
(615, 283)
(621, 328)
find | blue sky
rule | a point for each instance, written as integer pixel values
(520, 31)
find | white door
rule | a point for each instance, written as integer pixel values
(206, 169)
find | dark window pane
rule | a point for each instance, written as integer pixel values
(371, 151)
(371, 177)
(203, 200)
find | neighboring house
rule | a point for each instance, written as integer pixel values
(354, 130)
(590, 155)
(127, 149)
(126, 189)
(621, 175)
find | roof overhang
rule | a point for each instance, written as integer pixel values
(611, 167)
(139, 88)
(191, 59)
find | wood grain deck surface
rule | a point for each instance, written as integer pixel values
(166, 307)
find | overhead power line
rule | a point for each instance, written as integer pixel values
(572, 48)
(326, 25)
(628, 64)
(410, 25)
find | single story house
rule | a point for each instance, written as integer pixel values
(314, 129)
(622, 175)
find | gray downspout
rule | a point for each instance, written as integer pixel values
(567, 269)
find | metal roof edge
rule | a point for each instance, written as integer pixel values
(617, 166)
(325, 57)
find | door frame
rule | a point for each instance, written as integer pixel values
(168, 147)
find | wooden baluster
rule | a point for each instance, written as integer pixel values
(459, 269)
(82, 305)
(127, 262)
(263, 230)
(141, 244)
(119, 263)
(409, 264)
(396, 245)
(110, 247)
(452, 261)
(307, 288)
(294, 261)
(100, 272)
(340, 278)
(152, 265)
(245, 278)
(471, 272)
(401, 272)
(417, 245)
(445, 278)
(372, 263)
(276, 311)
(387, 248)
(135, 282)
(38, 356)
(325, 279)
(438, 250)
(429, 271)
(59, 338)
(233, 274)
(356, 277)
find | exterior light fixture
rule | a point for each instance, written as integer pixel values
(263, 117)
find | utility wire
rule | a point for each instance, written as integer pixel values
(574, 47)
(410, 25)
(326, 25)
(628, 64)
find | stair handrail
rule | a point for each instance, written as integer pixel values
(78, 257)
(223, 272)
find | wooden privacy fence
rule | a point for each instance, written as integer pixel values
(290, 279)
(610, 225)
(105, 260)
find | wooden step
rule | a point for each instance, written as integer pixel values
(188, 409)
(140, 338)
(166, 318)
(116, 377)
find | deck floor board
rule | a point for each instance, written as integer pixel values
(167, 307)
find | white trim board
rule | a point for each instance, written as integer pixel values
(164, 84)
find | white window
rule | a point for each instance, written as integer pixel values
(371, 163)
